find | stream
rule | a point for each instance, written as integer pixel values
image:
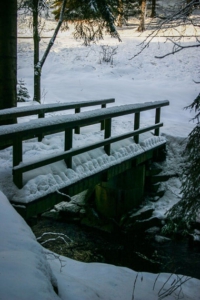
(140, 253)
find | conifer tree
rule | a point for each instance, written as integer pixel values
(90, 18)
(188, 208)
(22, 92)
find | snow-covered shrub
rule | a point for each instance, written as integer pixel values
(22, 92)
(107, 53)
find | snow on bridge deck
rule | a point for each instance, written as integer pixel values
(52, 178)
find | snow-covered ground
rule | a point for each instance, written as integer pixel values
(73, 72)
(29, 272)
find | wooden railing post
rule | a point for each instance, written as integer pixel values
(68, 145)
(107, 134)
(157, 120)
(103, 122)
(17, 158)
(41, 115)
(137, 126)
(77, 129)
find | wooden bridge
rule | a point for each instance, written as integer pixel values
(15, 134)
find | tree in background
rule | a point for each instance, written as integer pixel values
(126, 9)
(153, 8)
(120, 13)
(143, 4)
(35, 8)
(176, 18)
(8, 55)
(90, 18)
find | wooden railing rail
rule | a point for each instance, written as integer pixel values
(19, 132)
(42, 109)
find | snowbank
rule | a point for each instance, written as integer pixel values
(24, 270)
(28, 271)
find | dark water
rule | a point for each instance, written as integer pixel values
(140, 253)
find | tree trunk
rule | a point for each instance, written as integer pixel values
(143, 14)
(120, 16)
(153, 9)
(8, 55)
(36, 40)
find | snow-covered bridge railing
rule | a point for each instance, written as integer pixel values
(42, 109)
(15, 134)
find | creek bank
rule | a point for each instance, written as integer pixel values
(134, 241)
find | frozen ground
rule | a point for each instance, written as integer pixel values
(74, 72)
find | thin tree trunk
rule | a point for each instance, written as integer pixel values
(42, 61)
(36, 40)
(38, 64)
(8, 55)
(142, 17)
(153, 9)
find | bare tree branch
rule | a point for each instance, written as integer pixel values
(177, 21)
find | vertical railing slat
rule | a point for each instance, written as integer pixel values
(137, 126)
(107, 134)
(77, 129)
(103, 122)
(68, 145)
(157, 120)
(17, 159)
(41, 115)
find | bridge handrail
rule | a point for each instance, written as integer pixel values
(16, 133)
(41, 109)
(31, 129)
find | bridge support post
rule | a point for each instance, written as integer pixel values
(122, 193)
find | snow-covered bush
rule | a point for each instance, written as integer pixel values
(107, 53)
